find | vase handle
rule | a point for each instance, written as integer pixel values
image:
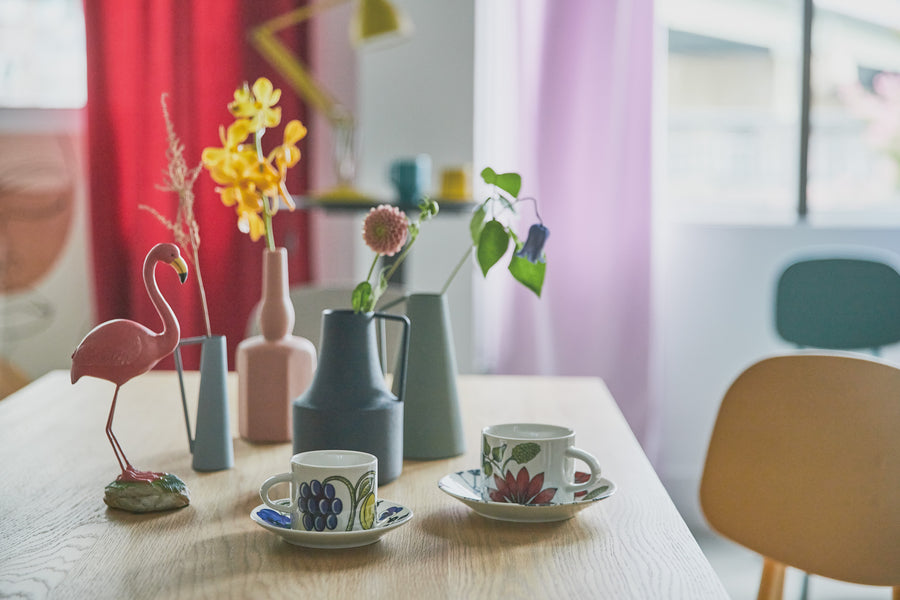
(404, 350)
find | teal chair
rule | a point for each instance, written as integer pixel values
(839, 303)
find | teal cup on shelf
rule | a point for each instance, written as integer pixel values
(411, 178)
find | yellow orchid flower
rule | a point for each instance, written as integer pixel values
(257, 104)
(250, 182)
(224, 163)
(264, 177)
(235, 193)
(251, 223)
(287, 154)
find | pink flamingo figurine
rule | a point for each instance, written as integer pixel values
(120, 349)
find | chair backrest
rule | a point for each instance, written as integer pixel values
(803, 465)
(838, 303)
(310, 300)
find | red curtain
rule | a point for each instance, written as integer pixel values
(197, 53)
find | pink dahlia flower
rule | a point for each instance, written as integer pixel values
(385, 230)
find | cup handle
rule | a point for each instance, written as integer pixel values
(591, 462)
(264, 492)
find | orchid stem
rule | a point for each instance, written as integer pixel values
(270, 238)
(267, 211)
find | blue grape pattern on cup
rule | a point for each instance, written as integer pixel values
(318, 505)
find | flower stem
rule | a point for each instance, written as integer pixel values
(372, 267)
(270, 237)
(202, 291)
(267, 211)
(396, 263)
(456, 269)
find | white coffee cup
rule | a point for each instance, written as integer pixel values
(532, 463)
(331, 490)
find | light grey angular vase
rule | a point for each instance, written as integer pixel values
(432, 423)
(211, 444)
(348, 405)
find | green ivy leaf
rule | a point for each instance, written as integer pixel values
(522, 453)
(492, 245)
(507, 204)
(477, 223)
(485, 448)
(362, 297)
(487, 469)
(529, 274)
(510, 183)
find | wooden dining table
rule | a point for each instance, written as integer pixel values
(58, 539)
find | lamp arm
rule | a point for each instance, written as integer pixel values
(265, 41)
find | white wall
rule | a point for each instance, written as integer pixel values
(714, 294)
(41, 326)
(411, 98)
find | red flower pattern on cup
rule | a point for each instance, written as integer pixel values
(581, 477)
(521, 489)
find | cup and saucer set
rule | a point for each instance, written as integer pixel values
(527, 475)
(334, 502)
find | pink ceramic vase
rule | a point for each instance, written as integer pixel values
(275, 367)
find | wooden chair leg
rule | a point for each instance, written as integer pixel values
(897, 592)
(771, 585)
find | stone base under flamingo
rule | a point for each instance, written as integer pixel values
(164, 493)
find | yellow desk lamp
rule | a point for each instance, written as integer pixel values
(373, 21)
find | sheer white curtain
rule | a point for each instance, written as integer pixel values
(563, 96)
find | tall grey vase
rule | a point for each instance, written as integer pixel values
(348, 405)
(211, 445)
(432, 424)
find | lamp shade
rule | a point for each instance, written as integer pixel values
(377, 21)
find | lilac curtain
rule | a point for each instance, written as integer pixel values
(585, 153)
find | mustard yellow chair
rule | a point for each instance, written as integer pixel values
(803, 467)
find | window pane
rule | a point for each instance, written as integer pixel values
(42, 54)
(733, 90)
(854, 145)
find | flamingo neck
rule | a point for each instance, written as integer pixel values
(171, 332)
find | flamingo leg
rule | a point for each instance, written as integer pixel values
(129, 473)
(117, 449)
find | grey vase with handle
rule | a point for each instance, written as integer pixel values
(348, 406)
(432, 423)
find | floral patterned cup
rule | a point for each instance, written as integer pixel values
(331, 490)
(531, 463)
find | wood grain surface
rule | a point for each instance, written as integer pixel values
(58, 539)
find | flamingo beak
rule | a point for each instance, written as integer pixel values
(180, 267)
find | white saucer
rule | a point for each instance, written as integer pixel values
(466, 487)
(389, 515)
